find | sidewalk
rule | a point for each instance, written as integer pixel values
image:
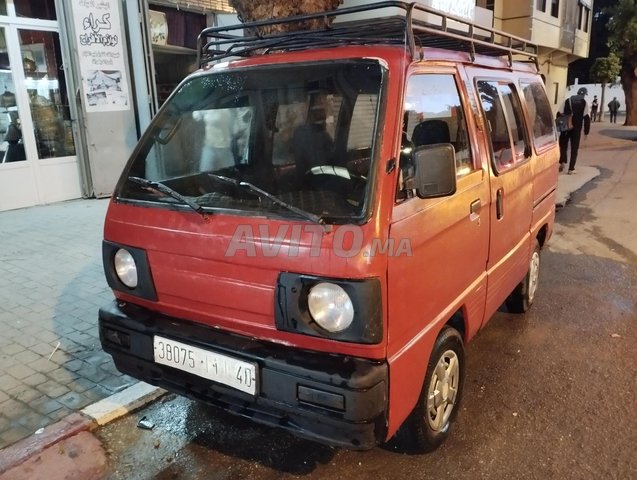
(51, 286)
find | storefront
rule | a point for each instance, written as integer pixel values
(38, 154)
(79, 81)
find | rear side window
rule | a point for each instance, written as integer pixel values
(503, 113)
(540, 113)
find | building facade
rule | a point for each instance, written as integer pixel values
(80, 81)
(561, 28)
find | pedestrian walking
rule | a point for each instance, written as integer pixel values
(613, 107)
(594, 108)
(578, 108)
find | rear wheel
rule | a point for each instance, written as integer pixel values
(430, 422)
(522, 297)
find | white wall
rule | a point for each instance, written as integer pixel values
(612, 90)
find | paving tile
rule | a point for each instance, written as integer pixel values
(13, 408)
(15, 434)
(20, 372)
(32, 421)
(45, 405)
(73, 365)
(43, 365)
(12, 349)
(74, 401)
(24, 394)
(43, 349)
(63, 377)
(52, 389)
(35, 380)
(26, 357)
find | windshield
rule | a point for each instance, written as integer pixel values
(301, 133)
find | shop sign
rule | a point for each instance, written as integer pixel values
(98, 39)
(459, 8)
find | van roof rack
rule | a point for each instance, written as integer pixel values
(439, 30)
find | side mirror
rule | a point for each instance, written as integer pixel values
(435, 170)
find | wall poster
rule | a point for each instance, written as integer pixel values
(100, 48)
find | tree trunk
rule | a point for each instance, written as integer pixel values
(629, 84)
(600, 111)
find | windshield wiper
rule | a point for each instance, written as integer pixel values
(165, 189)
(262, 193)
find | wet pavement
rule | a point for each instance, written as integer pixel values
(51, 286)
(549, 394)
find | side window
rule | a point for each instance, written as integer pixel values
(540, 113)
(434, 114)
(496, 120)
(506, 127)
(513, 113)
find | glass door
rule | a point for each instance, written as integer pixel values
(38, 162)
(48, 98)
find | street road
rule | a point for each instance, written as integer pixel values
(549, 395)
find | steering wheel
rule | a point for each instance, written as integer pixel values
(337, 179)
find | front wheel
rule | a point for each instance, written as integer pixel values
(429, 423)
(523, 295)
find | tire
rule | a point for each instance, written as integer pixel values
(428, 426)
(523, 295)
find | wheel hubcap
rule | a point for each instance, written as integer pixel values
(534, 274)
(443, 390)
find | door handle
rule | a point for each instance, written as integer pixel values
(499, 203)
(474, 210)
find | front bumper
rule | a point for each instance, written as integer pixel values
(333, 399)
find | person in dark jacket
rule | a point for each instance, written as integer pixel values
(613, 107)
(577, 106)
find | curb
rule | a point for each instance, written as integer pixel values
(88, 419)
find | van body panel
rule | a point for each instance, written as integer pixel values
(195, 279)
(446, 272)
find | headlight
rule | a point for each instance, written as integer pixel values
(125, 268)
(330, 307)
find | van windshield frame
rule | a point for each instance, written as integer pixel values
(307, 133)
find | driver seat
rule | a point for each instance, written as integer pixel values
(312, 145)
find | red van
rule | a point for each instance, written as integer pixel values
(316, 222)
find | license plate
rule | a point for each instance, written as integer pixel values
(204, 363)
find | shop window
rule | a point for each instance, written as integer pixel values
(541, 5)
(11, 142)
(48, 99)
(555, 8)
(42, 9)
